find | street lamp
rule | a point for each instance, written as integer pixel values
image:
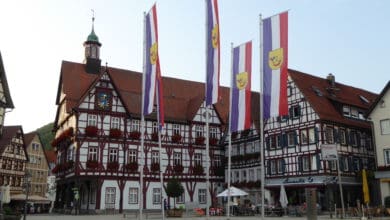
(27, 181)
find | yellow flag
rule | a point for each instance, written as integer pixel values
(366, 193)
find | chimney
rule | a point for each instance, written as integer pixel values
(331, 79)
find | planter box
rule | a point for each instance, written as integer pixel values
(174, 213)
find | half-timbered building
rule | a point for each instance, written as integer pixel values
(321, 111)
(98, 142)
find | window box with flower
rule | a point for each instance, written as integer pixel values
(213, 141)
(132, 167)
(113, 165)
(199, 140)
(155, 167)
(154, 136)
(68, 165)
(115, 133)
(176, 138)
(198, 170)
(91, 131)
(92, 164)
(178, 168)
(135, 135)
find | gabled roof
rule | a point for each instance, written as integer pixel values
(182, 98)
(29, 137)
(8, 101)
(328, 105)
(375, 103)
(10, 132)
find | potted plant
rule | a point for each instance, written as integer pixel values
(178, 168)
(213, 141)
(174, 189)
(92, 164)
(91, 131)
(132, 166)
(198, 170)
(135, 135)
(113, 165)
(115, 133)
(155, 167)
(176, 138)
(199, 140)
(154, 136)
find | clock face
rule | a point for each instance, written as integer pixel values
(103, 100)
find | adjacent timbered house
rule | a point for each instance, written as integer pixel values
(379, 115)
(5, 96)
(98, 141)
(321, 111)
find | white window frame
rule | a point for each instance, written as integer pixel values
(385, 126)
(113, 155)
(175, 129)
(154, 127)
(135, 125)
(92, 120)
(133, 195)
(177, 158)
(329, 135)
(342, 134)
(156, 195)
(312, 135)
(386, 154)
(202, 196)
(304, 137)
(181, 199)
(110, 195)
(273, 166)
(280, 166)
(213, 132)
(305, 163)
(132, 156)
(291, 139)
(115, 122)
(197, 159)
(251, 175)
(155, 157)
(198, 131)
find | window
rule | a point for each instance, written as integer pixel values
(312, 135)
(92, 120)
(387, 157)
(198, 159)
(251, 175)
(135, 125)
(110, 195)
(176, 158)
(272, 142)
(258, 174)
(113, 155)
(154, 127)
(198, 131)
(346, 111)
(332, 164)
(176, 129)
(353, 138)
(132, 157)
(35, 146)
(92, 153)
(304, 138)
(273, 166)
(342, 136)
(213, 132)
(354, 113)
(155, 157)
(291, 138)
(329, 135)
(305, 163)
(202, 196)
(281, 166)
(133, 195)
(345, 161)
(115, 122)
(156, 196)
(289, 91)
(385, 126)
(217, 160)
(70, 155)
(243, 175)
(295, 111)
(180, 199)
(236, 176)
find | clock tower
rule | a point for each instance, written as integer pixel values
(92, 52)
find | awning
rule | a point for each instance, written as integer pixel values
(32, 198)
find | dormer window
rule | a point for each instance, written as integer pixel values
(346, 111)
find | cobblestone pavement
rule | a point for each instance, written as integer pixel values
(130, 217)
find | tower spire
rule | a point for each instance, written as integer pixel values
(92, 50)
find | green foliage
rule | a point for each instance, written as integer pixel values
(174, 188)
(46, 134)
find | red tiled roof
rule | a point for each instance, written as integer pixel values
(50, 156)
(9, 132)
(329, 105)
(29, 137)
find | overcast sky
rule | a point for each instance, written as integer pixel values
(347, 38)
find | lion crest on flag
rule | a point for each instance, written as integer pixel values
(242, 80)
(153, 53)
(275, 58)
(214, 36)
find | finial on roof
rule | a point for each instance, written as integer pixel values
(93, 18)
(92, 36)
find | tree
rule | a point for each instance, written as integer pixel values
(174, 189)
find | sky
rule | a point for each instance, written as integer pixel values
(348, 38)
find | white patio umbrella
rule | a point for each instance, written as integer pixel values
(283, 197)
(233, 192)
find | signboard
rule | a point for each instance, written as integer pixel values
(329, 152)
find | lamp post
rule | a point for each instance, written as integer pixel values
(27, 180)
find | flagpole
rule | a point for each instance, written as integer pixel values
(160, 154)
(141, 176)
(207, 124)
(230, 139)
(262, 174)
